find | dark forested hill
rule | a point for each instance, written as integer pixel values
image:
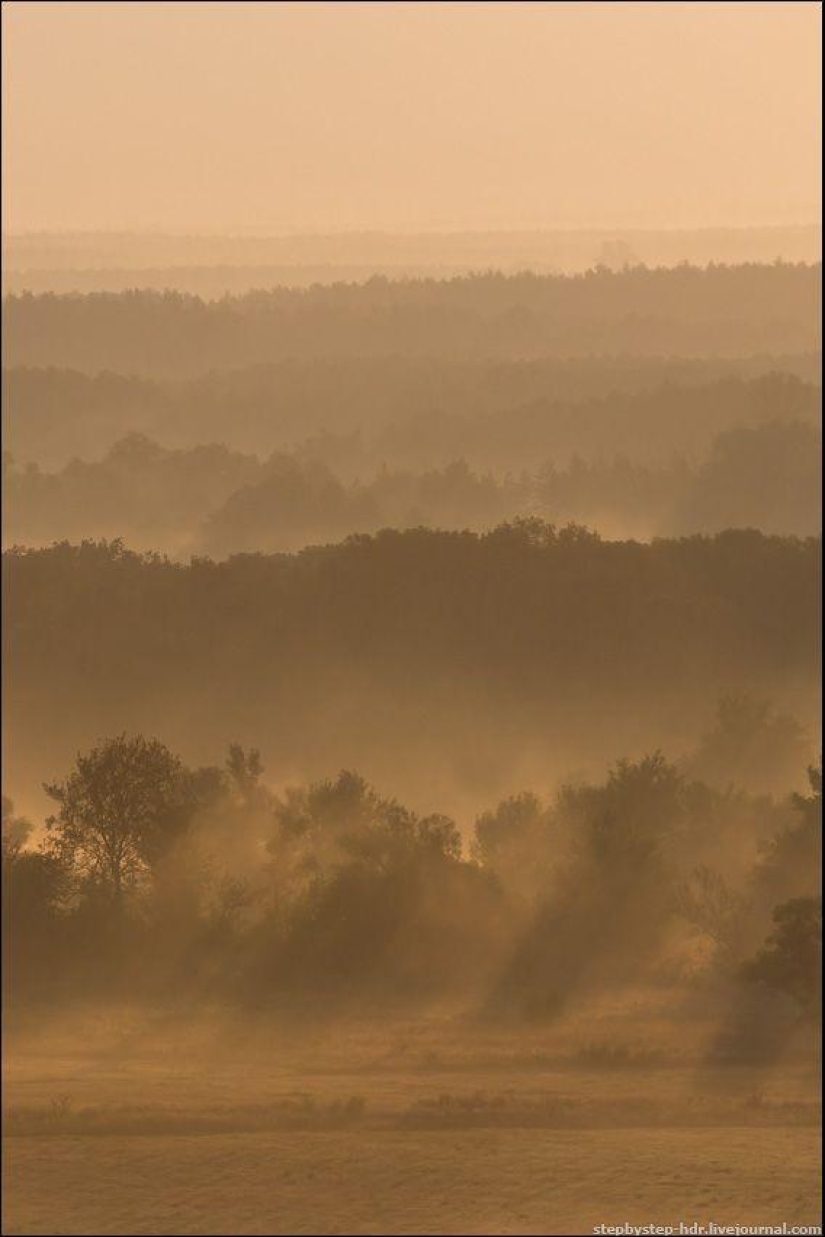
(402, 639)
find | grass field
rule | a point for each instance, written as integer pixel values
(131, 1126)
(469, 1181)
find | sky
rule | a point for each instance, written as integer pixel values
(233, 117)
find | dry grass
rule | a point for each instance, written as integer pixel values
(129, 1125)
(475, 1181)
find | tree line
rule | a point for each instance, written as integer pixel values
(684, 311)
(359, 413)
(525, 603)
(153, 880)
(210, 500)
(463, 654)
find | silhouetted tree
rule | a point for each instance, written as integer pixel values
(790, 961)
(119, 809)
(792, 861)
(244, 768)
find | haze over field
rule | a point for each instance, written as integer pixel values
(412, 629)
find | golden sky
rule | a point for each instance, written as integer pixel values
(297, 117)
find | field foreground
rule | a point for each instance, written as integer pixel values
(410, 1129)
(473, 1181)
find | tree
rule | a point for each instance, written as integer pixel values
(623, 827)
(34, 887)
(15, 832)
(750, 744)
(790, 961)
(810, 806)
(518, 842)
(322, 826)
(792, 862)
(707, 903)
(617, 255)
(119, 810)
(244, 769)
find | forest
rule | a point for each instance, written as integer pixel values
(502, 596)
(682, 311)
(462, 653)
(364, 411)
(160, 881)
(210, 500)
(471, 536)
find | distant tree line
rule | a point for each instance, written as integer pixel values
(682, 311)
(359, 413)
(210, 500)
(179, 257)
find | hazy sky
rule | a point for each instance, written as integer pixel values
(225, 116)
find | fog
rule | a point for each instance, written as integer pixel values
(411, 597)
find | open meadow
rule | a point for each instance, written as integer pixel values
(421, 1127)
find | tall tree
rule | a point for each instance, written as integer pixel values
(120, 808)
